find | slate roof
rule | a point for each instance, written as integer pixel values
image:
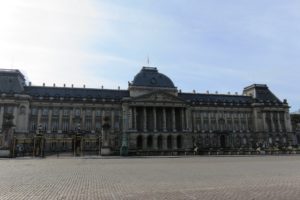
(150, 77)
(11, 81)
(56, 92)
(216, 98)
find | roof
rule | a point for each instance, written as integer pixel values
(217, 98)
(38, 91)
(11, 81)
(262, 93)
(150, 77)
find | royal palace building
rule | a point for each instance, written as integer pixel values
(151, 117)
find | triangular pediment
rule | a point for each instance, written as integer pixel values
(158, 96)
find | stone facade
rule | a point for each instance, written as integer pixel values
(152, 117)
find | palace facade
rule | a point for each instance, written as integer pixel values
(152, 116)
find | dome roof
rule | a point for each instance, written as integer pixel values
(150, 77)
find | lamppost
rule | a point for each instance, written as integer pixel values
(77, 140)
(39, 142)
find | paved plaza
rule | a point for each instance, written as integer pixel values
(257, 177)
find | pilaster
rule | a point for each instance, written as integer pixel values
(145, 119)
(154, 121)
(1, 116)
(164, 120)
(173, 120)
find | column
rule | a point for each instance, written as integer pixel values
(93, 119)
(194, 122)
(112, 120)
(154, 121)
(15, 113)
(287, 120)
(217, 121)
(72, 126)
(272, 122)
(173, 120)
(134, 119)
(164, 120)
(233, 121)
(278, 121)
(82, 125)
(60, 119)
(1, 116)
(247, 122)
(182, 119)
(201, 118)
(240, 122)
(209, 121)
(130, 121)
(39, 116)
(145, 119)
(49, 120)
(187, 119)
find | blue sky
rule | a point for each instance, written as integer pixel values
(204, 45)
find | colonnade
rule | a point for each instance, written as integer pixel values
(158, 119)
(159, 141)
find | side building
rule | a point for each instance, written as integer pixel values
(152, 117)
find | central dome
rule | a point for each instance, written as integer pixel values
(150, 77)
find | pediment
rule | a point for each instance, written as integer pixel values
(158, 96)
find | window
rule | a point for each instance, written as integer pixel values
(45, 111)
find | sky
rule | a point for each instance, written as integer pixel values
(201, 45)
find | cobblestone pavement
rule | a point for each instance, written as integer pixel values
(259, 177)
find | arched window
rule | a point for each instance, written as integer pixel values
(179, 141)
(139, 142)
(169, 142)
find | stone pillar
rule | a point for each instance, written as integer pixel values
(209, 121)
(164, 120)
(233, 121)
(130, 121)
(93, 119)
(154, 121)
(112, 121)
(1, 116)
(182, 119)
(247, 122)
(187, 119)
(49, 120)
(82, 119)
(59, 119)
(39, 116)
(217, 121)
(272, 122)
(72, 126)
(278, 121)
(173, 120)
(134, 119)
(287, 120)
(145, 141)
(145, 119)
(201, 118)
(15, 113)
(240, 122)
(195, 128)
